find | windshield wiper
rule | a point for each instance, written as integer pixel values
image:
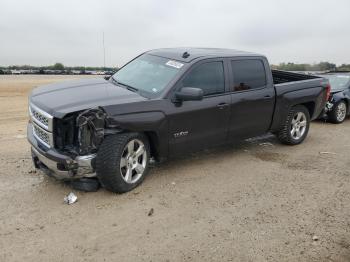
(130, 87)
(133, 89)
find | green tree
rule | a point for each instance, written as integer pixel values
(58, 66)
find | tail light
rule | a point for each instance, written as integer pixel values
(328, 91)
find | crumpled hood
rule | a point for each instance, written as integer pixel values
(71, 96)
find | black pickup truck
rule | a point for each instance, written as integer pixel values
(164, 103)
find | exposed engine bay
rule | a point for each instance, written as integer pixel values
(90, 125)
(81, 133)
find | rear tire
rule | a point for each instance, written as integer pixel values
(296, 126)
(338, 113)
(122, 161)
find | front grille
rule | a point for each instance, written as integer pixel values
(42, 135)
(42, 125)
(40, 117)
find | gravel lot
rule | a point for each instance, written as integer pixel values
(256, 201)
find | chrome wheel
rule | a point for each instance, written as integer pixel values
(298, 125)
(341, 112)
(133, 161)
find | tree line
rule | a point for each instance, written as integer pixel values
(322, 66)
(59, 66)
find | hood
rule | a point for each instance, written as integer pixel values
(71, 96)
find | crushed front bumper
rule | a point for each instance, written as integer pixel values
(58, 165)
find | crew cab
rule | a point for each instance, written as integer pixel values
(338, 105)
(165, 103)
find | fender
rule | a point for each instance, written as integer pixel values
(154, 124)
(287, 100)
(343, 95)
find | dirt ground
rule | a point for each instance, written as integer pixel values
(256, 201)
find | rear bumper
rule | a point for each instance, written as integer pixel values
(58, 165)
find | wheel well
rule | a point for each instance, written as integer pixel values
(345, 101)
(153, 143)
(310, 107)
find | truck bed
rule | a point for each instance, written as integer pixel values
(286, 82)
(281, 77)
(294, 88)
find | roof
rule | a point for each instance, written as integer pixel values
(194, 53)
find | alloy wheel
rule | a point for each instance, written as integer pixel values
(133, 161)
(298, 125)
(341, 111)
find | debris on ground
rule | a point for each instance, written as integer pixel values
(71, 198)
(315, 238)
(173, 183)
(32, 171)
(150, 212)
(266, 144)
(327, 153)
(20, 136)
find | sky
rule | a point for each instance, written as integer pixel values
(43, 32)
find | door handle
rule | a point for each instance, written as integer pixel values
(267, 97)
(222, 105)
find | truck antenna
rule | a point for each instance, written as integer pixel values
(185, 55)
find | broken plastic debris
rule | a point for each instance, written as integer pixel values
(327, 153)
(71, 198)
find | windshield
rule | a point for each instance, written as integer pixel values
(148, 74)
(338, 82)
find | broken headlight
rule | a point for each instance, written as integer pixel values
(90, 125)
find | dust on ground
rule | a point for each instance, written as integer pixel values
(256, 201)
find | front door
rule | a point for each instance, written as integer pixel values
(195, 125)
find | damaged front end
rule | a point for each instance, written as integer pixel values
(76, 140)
(81, 133)
(77, 137)
(91, 130)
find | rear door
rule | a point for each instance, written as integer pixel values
(253, 97)
(195, 125)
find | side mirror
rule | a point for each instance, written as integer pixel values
(189, 94)
(107, 77)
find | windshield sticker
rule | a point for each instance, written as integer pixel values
(175, 64)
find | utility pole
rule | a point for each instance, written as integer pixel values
(104, 50)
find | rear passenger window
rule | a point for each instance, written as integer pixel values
(248, 74)
(209, 77)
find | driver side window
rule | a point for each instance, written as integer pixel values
(208, 76)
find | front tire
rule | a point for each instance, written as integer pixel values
(338, 113)
(122, 161)
(296, 126)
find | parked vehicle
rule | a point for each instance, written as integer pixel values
(338, 105)
(165, 103)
